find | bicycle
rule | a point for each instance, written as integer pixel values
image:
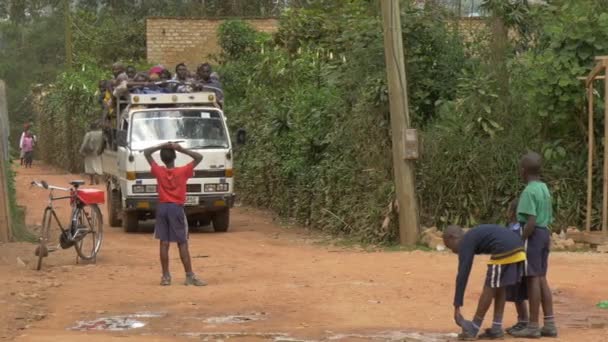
(85, 221)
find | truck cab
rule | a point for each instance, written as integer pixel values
(196, 122)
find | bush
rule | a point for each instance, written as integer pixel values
(19, 230)
(69, 105)
(315, 106)
(237, 38)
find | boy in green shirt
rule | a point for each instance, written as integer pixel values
(535, 213)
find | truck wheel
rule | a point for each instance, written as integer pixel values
(221, 221)
(130, 221)
(114, 207)
(192, 222)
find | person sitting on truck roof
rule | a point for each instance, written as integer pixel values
(165, 75)
(120, 79)
(117, 69)
(131, 72)
(206, 83)
(216, 77)
(142, 85)
(182, 75)
(141, 77)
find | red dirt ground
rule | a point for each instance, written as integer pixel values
(307, 290)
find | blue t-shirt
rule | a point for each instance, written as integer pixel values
(483, 239)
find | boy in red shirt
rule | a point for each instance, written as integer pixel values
(171, 223)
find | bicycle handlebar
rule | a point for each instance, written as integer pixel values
(45, 185)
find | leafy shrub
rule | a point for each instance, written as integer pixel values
(237, 38)
(315, 106)
(69, 105)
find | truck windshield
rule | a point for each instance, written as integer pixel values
(196, 128)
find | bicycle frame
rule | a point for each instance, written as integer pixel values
(75, 203)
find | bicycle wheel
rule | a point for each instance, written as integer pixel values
(42, 249)
(90, 222)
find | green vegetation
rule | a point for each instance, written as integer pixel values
(313, 98)
(19, 230)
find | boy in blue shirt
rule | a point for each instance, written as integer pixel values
(505, 268)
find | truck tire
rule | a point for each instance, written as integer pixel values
(221, 221)
(114, 207)
(130, 221)
(192, 222)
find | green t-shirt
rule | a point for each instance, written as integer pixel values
(536, 201)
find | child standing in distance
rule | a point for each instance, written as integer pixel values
(27, 146)
(517, 293)
(26, 129)
(505, 268)
(535, 214)
(171, 224)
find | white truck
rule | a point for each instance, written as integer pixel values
(144, 120)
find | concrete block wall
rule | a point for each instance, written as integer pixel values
(190, 40)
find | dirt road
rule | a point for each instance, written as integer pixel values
(279, 284)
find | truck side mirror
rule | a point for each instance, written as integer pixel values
(241, 136)
(121, 138)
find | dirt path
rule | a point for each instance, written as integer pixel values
(284, 285)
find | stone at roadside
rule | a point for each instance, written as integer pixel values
(432, 238)
(572, 230)
(21, 263)
(570, 245)
(602, 249)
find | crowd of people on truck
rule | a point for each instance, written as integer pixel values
(156, 80)
(159, 79)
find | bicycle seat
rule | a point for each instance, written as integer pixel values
(77, 183)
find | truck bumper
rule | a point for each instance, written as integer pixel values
(207, 203)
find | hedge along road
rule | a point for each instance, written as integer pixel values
(265, 283)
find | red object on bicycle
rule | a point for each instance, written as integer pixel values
(91, 196)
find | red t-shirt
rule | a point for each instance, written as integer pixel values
(172, 182)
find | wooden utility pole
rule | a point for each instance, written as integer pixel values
(605, 174)
(68, 33)
(400, 121)
(591, 110)
(5, 214)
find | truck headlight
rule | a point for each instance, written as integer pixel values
(210, 187)
(150, 188)
(138, 189)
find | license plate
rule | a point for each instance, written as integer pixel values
(192, 200)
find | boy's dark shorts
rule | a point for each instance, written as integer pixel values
(504, 275)
(517, 292)
(537, 252)
(171, 224)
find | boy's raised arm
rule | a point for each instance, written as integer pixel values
(197, 157)
(150, 150)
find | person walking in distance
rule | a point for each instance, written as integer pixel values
(91, 149)
(171, 223)
(27, 147)
(26, 128)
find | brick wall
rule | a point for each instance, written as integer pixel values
(174, 40)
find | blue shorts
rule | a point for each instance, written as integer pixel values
(504, 275)
(171, 223)
(537, 252)
(518, 292)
